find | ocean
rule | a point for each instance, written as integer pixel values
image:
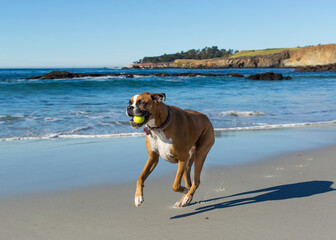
(95, 106)
(69, 133)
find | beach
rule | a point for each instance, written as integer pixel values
(284, 192)
(69, 160)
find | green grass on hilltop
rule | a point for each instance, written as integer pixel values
(249, 53)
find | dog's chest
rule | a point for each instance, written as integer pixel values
(161, 145)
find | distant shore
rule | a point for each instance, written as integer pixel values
(283, 58)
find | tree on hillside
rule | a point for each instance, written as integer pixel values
(205, 53)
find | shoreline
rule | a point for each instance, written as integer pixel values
(279, 197)
(53, 165)
(218, 131)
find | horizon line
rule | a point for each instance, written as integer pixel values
(65, 67)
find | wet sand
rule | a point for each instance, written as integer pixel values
(291, 196)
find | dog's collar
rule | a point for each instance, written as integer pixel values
(165, 124)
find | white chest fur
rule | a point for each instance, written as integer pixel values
(162, 145)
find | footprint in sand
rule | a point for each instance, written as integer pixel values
(220, 189)
(300, 166)
(269, 176)
(309, 159)
(280, 168)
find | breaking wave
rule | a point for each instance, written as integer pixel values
(72, 134)
(279, 126)
(242, 114)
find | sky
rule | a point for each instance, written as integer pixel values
(108, 33)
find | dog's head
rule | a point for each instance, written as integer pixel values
(145, 105)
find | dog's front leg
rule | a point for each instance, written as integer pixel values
(152, 161)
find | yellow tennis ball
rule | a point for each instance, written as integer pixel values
(138, 119)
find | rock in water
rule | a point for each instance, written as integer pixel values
(236, 75)
(57, 75)
(318, 68)
(268, 76)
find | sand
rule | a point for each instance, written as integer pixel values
(286, 197)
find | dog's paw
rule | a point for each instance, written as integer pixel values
(183, 202)
(138, 200)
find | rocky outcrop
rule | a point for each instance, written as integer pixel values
(297, 57)
(261, 61)
(64, 74)
(68, 75)
(312, 56)
(318, 68)
(268, 76)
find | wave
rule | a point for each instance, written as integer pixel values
(239, 114)
(72, 135)
(101, 78)
(10, 118)
(278, 126)
(243, 114)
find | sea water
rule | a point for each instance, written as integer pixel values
(65, 133)
(95, 106)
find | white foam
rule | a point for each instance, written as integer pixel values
(52, 119)
(74, 136)
(71, 135)
(100, 78)
(137, 76)
(277, 126)
(78, 112)
(242, 113)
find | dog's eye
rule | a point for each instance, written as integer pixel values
(130, 102)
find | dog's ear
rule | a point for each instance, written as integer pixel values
(158, 96)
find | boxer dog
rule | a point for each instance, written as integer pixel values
(178, 136)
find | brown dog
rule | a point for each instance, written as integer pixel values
(178, 136)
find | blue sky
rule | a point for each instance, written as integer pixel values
(74, 33)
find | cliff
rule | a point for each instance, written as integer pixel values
(269, 58)
(312, 56)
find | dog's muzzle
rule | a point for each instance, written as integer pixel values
(131, 112)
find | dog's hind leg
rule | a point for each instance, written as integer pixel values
(186, 174)
(203, 146)
(180, 171)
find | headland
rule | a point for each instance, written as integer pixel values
(268, 58)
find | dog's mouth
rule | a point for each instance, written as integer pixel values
(138, 125)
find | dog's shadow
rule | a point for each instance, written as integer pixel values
(282, 192)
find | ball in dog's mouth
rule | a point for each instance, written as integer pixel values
(138, 121)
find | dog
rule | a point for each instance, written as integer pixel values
(178, 136)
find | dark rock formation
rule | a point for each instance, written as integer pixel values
(164, 74)
(268, 76)
(68, 75)
(236, 75)
(58, 75)
(64, 74)
(318, 68)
